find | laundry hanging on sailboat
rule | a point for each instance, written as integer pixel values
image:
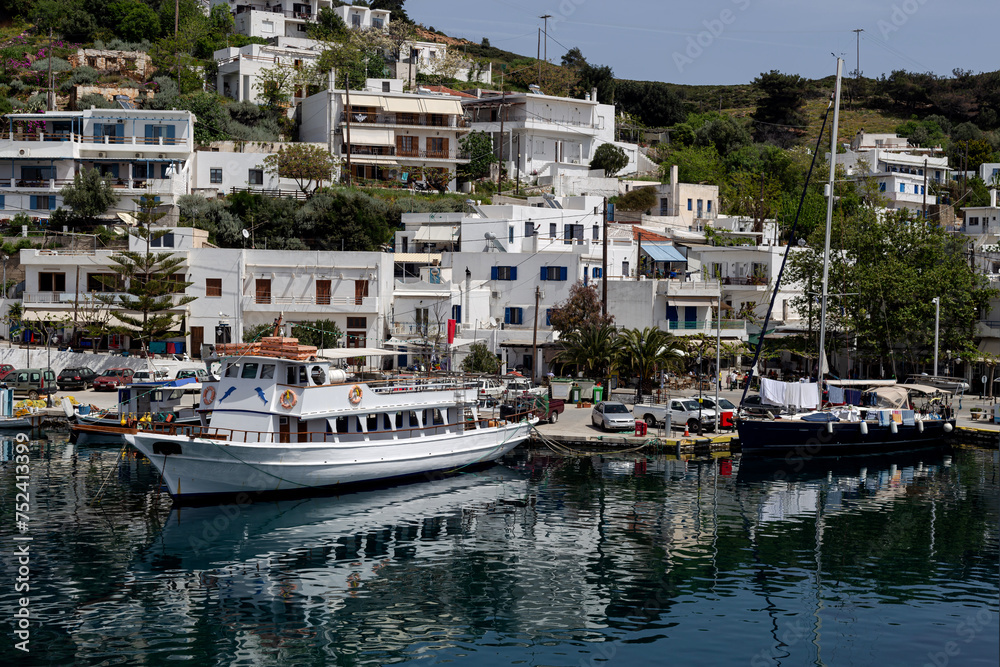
(797, 395)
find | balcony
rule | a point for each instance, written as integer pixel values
(53, 185)
(726, 328)
(449, 122)
(693, 288)
(96, 139)
(391, 151)
(69, 298)
(290, 305)
(277, 9)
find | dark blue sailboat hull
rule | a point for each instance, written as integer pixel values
(781, 437)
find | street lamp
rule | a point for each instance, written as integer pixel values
(937, 319)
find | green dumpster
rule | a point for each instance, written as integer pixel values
(598, 393)
(574, 394)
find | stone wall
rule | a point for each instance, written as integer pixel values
(136, 64)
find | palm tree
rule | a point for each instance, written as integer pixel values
(643, 351)
(590, 349)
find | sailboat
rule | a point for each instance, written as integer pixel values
(889, 425)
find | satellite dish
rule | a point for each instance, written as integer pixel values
(246, 234)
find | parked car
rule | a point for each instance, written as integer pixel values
(489, 390)
(150, 376)
(34, 382)
(612, 416)
(684, 412)
(753, 407)
(4, 370)
(199, 374)
(79, 377)
(113, 378)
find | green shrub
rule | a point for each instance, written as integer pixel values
(58, 65)
(94, 100)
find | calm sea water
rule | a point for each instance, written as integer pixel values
(543, 560)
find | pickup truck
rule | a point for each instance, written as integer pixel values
(683, 412)
(543, 407)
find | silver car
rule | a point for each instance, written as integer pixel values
(612, 416)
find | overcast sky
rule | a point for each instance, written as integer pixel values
(733, 41)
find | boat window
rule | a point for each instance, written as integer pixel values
(232, 370)
(342, 424)
(413, 419)
(291, 377)
(249, 371)
(267, 372)
(438, 418)
(303, 376)
(386, 422)
(318, 375)
(399, 420)
(177, 394)
(372, 423)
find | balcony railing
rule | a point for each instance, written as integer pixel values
(73, 137)
(449, 121)
(696, 326)
(69, 298)
(268, 298)
(391, 151)
(277, 9)
(159, 185)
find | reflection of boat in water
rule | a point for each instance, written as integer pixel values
(281, 422)
(407, 516)
(752, 469)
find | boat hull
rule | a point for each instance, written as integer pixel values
(804, 438)
(194, 466)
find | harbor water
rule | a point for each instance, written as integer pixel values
(540, 560)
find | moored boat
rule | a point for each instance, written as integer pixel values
(290, 423)
(138, 404)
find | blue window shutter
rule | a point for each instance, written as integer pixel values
(170, 131)
(506, 315)
(119, 130)
(98, 130)
(548, 317)
(2, 204)
(163, 170)
(114, 171)
(493, 273)
(709, 205)
(149, 132)
(34, 202)
(545, 272)
(52, 202)
(902, 187)
(513, 273)
(562, 272)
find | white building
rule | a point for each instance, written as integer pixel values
(359, 17)
(544, 135)
(273, 19)
(903, 179)
(394, 136)
(353, 290)
(240, 68)
(223, 167)
(140, 151)
(989, 172)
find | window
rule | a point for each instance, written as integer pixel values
(301, 27)
(571, 232)
(406, 146)
(512, 316)
(503, 273)
(215, 175)
(510, 234)
(597, 272)
(973, 222)
(267, 26)
(437, 147)
(548, 317)
(881, 187)
(552, 230)
(51, 282)
(689, 204)
(263, 290)
(232, 370)
(456, 313)
(267, 372)
(554, 273)
(323, 292)
(43, 202)
(529, 229)
(596, 231)
(256, 177)
(163, 241)
(141, 170)
(385, 86)
(356, 20)
(357, 323)
(377, 23)
(249, 371)
(708, 204)
(902, 187)
(1, 202)
(213, 287)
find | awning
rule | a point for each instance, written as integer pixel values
(690, 302)
(351, 352)
(662, 252)
(366, 137)
(48, 315)
(452, 106)
(402, 105)
(437, 233)
(383, 160)
(990, 346)
(363, 100)
(416, 257)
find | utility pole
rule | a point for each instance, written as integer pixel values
(538, 56)
(857, 73)
(546, 18)
(503, 99)
(638, 257)
(347, 115)
(924, 190)
(604, 265)
(534, 337)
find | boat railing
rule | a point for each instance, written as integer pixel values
(291, 437)
(417, 385)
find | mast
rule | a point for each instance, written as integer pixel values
(829, 218)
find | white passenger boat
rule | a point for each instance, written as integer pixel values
(287, 424)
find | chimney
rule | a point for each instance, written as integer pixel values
(674, 171)
(593, 94)
(993, 198)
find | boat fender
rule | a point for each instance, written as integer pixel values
(948, 428)
(920, 424)
(864, 428)
(829, 427)
(67, 406)
(893, 428)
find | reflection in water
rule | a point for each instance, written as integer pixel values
(545, 560)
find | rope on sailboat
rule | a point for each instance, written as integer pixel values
(784, 259)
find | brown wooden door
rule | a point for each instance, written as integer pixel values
(197, 338)
(263, 290)
(323, 292)
(303, 432)
(360, 291)
(283, 429)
